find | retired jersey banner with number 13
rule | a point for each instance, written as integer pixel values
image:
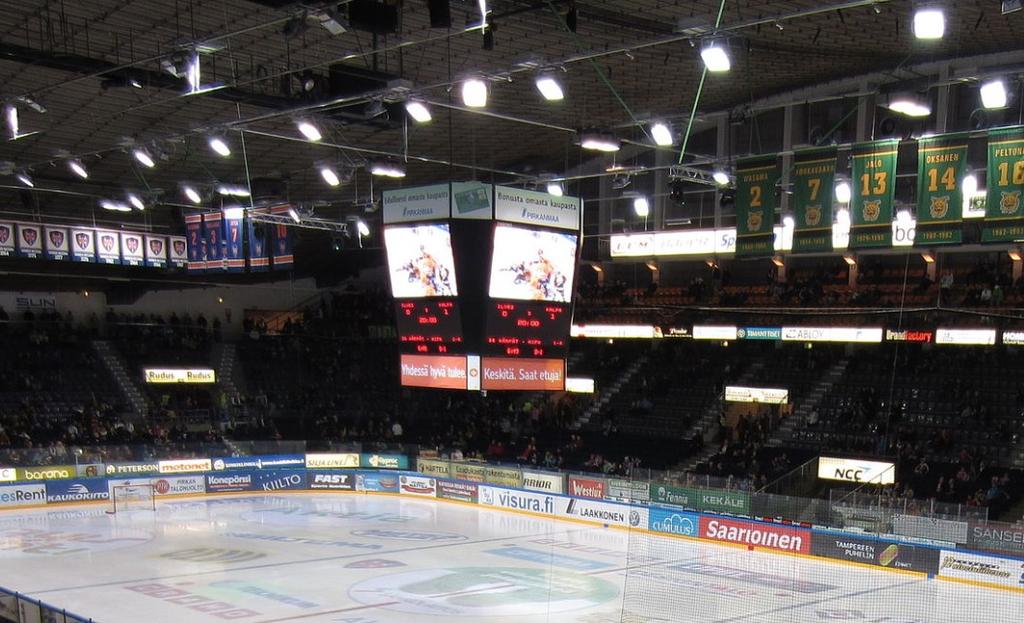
(1004, 205)
(814, 174)
(755, 206)
(940, 170)
(874, 180)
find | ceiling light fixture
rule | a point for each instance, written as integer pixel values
(294, 214)
(721, 178)
(330, 175)
(993, 94)
(600, 141)
(909, 106)
(662, 134)
(143, 157)
(843, 192)
(929, 23)
(418, 111)
(642, 207)
(309, 130)
(220, 146)
(549, 87)
(114, 206)
(192, 194)
(715, 56)
(78, 169)
(362, 228)
(229, 190)
(25, 179)
(11, 115)
(928, 257)
(136, 201)
(555, 188)
(1014, 254)
(850, 259)
(474, 93)
(969, 185)
(384, 168)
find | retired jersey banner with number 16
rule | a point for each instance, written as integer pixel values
(1004, 205)
(940, 170)
(874, 182)
(814, 174)
(755, 206)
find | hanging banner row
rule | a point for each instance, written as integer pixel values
(479, 201)
(90, 245)
(940, 206)
(230, 241)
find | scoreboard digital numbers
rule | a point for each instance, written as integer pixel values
(429, 326)
(535, 329)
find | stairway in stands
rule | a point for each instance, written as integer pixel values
(230, 377)
(115, 364)
(606, 394)
(785, 432)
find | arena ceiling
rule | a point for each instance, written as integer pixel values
(628, 61)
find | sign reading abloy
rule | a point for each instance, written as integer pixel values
(978, 568)
(540, 481)
(856, 470)
(755, 534)
(517, 205)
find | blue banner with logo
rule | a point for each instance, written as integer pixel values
(213, 230)
(282, 250)
(672, 521)
(234, 257)
(196, 243)
(259, 251)
(269, 461)
(229, 483)
(378, 483)
(76, 490)
(384, 461)
(279, 480)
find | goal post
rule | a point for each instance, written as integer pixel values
(131, 498)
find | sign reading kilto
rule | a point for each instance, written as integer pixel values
(940, 168)
(755, 205)
(814, 174)
(874, 182)
(1004, 205)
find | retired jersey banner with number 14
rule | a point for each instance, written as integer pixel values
(874, 182)
(814, 174)
(940, 170)
(1004, 205)
(755, 206)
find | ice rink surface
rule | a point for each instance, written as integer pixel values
(353, 558)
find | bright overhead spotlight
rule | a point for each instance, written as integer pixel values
(11, 115)
(294, 214)
(136, 201)
(114, 206)
(144, 158)
(555, 188)
(993, 94)
(788, 222)
(193, 74)
(662, 134)
(220, 146)
(384, 168)
(910, 107)
(721, 178)
(362, 228)
(192, 194)
(330, 176)
(474, 93)
(929, 23)
(716, 59)
(843, 192)
(229, 190)
(549, 87)
(418, 111)
(850, 259)
(970, 185)
(642, 207)
(78, 169)
(309, 130)
(25, 179)
(600, 141)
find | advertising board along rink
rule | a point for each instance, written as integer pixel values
(344, 557)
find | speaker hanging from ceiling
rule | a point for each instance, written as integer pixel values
(440, 13)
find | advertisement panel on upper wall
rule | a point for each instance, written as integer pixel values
(856, 470)
(532, 265)
(530, 207)
(472, 200)
(422, 203)
(420, 261)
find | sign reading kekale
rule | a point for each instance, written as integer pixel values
(874, 182)
(1004, 210)
(814, 174)
(755, 205)
(940, 168)
(735, 502)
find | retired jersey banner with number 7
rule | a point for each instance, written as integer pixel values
(940, 169)
(814, 174)
(755, 206)
(874, 182)
(1004, 205)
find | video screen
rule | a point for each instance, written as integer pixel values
(420, 261)
(532, 265)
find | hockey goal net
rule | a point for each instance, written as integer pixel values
(132, 498)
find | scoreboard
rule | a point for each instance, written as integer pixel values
(483, 293)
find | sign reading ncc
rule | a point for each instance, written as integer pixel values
(855, 470)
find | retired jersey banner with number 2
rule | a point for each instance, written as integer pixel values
(755, 206)
(814, 174)
(1004, 205)
(874, 180)
(940, 170)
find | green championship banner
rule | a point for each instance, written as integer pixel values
(755, 206)
(1004, 211)
(874, 180)
(814, 174)
(940, 169)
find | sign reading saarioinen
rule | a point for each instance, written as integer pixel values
(180, 375)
